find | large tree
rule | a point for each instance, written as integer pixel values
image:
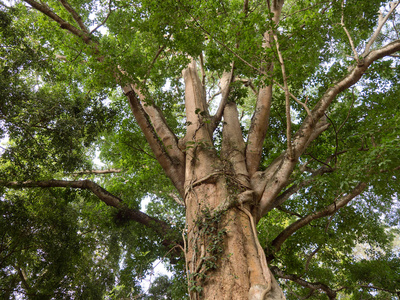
(265, 135)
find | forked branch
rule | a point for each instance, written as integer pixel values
(381, 21)
(46, 10)
(75, 15)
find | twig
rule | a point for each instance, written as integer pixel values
(105, 20)
(304, 104)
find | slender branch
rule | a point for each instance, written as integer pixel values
(348, 113)
(327, 211)
(348, 35)
(160, 227)
(160, 49)
(287, 101)
(177, 199)
(289, 192)
(105, 20)
(213, 96)
(381, 21)
(311, 285)
(107, 171)
(304, 104)
(203, 72)
(224, 45)
(75, 15)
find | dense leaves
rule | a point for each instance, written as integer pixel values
(60, 108)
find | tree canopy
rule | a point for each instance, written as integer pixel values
(305, 93)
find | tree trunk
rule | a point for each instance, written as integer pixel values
(223, 257)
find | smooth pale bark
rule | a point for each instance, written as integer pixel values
(218, 196)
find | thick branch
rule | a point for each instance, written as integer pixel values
(327, 211)
(109, 199)
(311, 285)
(225, 83)
(63, 24)
(233, 146)
(173, 166)
(196, 106)
(260, 119)
(75, 15)
(258, 129)
(304, 133)
(270, 182)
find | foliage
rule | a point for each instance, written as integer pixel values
(61, 107)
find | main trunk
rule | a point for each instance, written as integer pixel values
(224, 258)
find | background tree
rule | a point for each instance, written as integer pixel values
(224, 115)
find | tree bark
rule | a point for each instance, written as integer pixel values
(224, 258)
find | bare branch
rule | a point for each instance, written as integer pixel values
(172, 165)
(287, 100)
(381, 21)
(203, 72)
(75, 15)
(348, 35)
(327, 211)
(225, 83)
(311, 285)
(107, 171)
(258, 129)
(109, 199)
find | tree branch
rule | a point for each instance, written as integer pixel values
(160, 227)
(382, 20)
(106, 18)
(260, 119)
(327, 211)
(75, 15)
(311, 285)
(173, 165)
(287, 100)
(107, 171)
(258, 128)
(42, 7)
(225, 83)
(348, 35)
